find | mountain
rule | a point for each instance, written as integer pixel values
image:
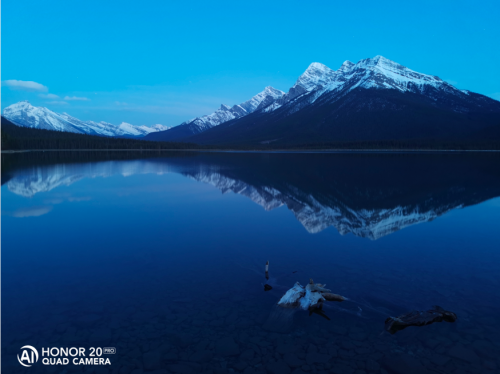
(26, 115)
(375, 99)
(223, 114)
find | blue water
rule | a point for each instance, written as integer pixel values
(162, 257)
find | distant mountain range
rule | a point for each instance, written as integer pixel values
(374, 99)
(26, 115)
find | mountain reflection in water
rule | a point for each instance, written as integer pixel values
(369, 195)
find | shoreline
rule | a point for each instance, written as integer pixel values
(258, 150)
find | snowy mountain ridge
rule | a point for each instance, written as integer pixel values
(226, 113)
(26, 115)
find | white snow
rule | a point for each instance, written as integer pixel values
(159, 127)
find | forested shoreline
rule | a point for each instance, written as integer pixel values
(23, 138)
(16, 138)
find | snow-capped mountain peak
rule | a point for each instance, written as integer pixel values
(273, 91)
(262, 99)
(315, 77)
(346, 65)
(24, 104)
(382, 73)
(318, 66)
(17, 108)
(316, 74)
(25, 114)
(124, 125)
(377, 72)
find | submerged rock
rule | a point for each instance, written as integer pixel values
(419, 318)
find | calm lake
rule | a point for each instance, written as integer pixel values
(162, 255)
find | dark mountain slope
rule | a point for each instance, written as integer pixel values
(365, 115)
(177, 133)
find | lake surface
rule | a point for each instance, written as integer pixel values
(161, 255)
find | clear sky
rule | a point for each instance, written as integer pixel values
(148, 62)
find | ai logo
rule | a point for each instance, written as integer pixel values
(29, 356)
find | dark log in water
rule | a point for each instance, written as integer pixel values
(333, 296)
(419, 318)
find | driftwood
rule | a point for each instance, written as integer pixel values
(418, 318)
(333, 297)
(310, 297)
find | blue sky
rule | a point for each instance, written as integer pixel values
(165, 62)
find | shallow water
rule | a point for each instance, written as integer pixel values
(162, 257)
